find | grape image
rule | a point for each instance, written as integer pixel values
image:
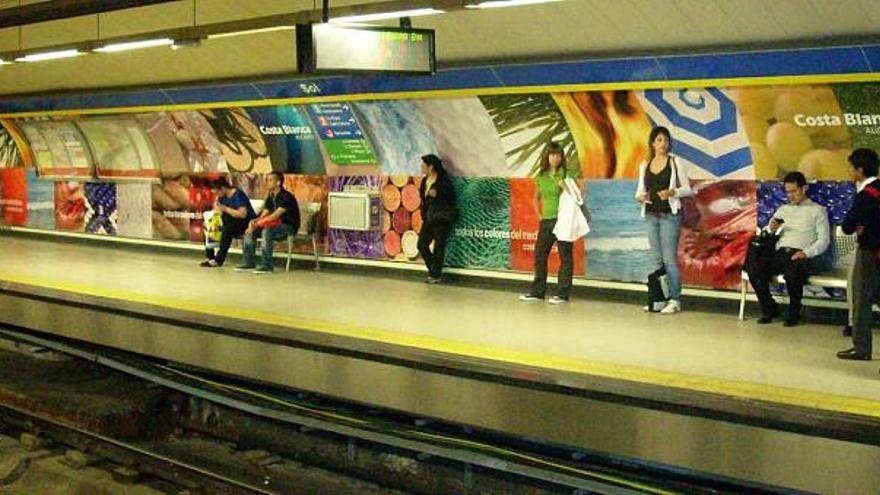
(824, 164)
(756, 102)
(787, 143)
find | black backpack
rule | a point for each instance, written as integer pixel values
(658, 289)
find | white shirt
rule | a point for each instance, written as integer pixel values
(861, 185)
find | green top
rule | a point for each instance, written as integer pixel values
(549, 190)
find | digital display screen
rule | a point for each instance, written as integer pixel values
(375, 49)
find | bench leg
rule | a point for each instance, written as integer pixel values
(289, 253)
(315, 252)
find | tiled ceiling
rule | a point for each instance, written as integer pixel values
(572, 29)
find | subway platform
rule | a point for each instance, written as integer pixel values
(700, 390)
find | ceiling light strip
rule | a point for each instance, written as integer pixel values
(384, 15)
(134, 45)
(38, 57)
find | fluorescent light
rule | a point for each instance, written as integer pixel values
(248, 31)
(384, 15)
(495, 4)
(186, 43)
(134, 45)
(37, 57)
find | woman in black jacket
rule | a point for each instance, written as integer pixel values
(438, 213)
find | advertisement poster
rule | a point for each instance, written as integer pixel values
(133, 210)
(121, 148)
(290, 141)
(171, 213)
(59, 150)
(399, 134)
(70, 206)
(241, 142)
(481, 237)
(13, 186)
(717, 225)
(101, 212)
(40, 201)
(401, 216)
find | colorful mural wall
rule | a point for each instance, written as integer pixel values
(145, 175)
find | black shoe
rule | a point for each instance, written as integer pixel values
(852, 355)
(433, 280)
(791, 321)
(768, 317)
(847, 331)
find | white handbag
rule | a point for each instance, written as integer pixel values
(571, 224)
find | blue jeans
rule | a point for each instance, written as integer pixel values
(268, 235)
(663, 232)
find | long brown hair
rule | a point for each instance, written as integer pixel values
(552, 148)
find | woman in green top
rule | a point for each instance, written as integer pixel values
(548, 188)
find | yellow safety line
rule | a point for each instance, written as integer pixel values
(721, 386)
(457, 93)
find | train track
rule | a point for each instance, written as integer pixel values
(126, 461)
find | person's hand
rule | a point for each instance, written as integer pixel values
(773, 225)
(643, 198)
(798, 255)
(859, 230)
(432, 193)
(666, 194)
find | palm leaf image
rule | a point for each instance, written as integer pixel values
(539, 117)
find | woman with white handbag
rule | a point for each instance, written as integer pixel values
(549, 189)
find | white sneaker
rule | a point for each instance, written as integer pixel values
(671, 307)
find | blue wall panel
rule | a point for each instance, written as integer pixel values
(844, 60)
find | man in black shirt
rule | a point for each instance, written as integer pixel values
(279, 218)
(864, 219)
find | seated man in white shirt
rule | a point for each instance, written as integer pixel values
(804, 235)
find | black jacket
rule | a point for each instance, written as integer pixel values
(865, 212)
(440, 208)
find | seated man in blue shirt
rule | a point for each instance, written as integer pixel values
(236, 211)
(279, 218)
(804, 235)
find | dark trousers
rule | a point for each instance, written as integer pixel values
(795, 273)
(864, 287)
(543, 246)
(439, 233)
(232, 228)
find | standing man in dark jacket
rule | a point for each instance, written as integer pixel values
(864, 219)
(439, 215)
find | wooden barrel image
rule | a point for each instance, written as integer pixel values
(392, 243)
(409, 197)
(401, 220)
(399, 180)
(410, 244)
(390, 197)
(416, 220)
